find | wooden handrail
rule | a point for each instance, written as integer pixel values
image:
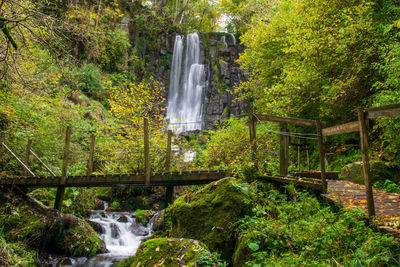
(19, 161)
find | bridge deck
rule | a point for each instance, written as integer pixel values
(157, 179)
(351, 195)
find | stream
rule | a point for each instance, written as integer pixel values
(121, 234)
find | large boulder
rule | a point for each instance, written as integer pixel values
(211, 214)
(380, 171)
(242, 251)
(27, 220)
(166, 252)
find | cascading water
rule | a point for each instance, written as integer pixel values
(121, 235)
(187, 81)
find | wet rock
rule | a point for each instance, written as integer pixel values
(114, 231)
(143, 216)
(98, 204)
(123, 219)
(139, 230)
(97, 227)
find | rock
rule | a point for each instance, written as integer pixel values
(159, 224)
(114, 230)
(97, 227)
(46, 228)
(143, 216)
(98, 204)
(210, 214)
(123, 219)
(166, 252)
(380, 171)
(242, 251)
(138, 229)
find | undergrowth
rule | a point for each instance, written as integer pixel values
(300, 231)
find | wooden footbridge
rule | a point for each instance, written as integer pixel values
(336, 191)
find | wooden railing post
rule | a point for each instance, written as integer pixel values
(321, 155)
(298, 153)
(2, 140)
(146, 151)
(27, 155)
(169, 149)
(366, 167)
(284, 150)
(169, 194)
(91, 154)
(64, 171)
(253, 136)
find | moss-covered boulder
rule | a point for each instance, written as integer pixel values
(23, 219)
(144, 216)
(166, 252)
(211, 214)
(380, 171)
(242, 251)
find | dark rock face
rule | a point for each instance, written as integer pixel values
(223, 74)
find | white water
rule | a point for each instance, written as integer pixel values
(187, 81)
(223, 39)
(122, 239)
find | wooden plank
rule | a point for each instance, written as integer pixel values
(91, 154)
(284, 150)
(18, 160)
(64, 171)
(27, 155)
(365, 159)
(146, 151)
(342, 128)
(321, 156)
(392, 110)
(42, 163)
(293, 121)
(287, 180)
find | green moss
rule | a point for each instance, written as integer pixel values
(74, 237)
(211, 214)
(166, 252)
(24, 220)
(242, 251)
(143, 216)
(380, 171)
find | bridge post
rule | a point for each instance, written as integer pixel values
(91, 154)
(2, 140)
(169, 194)
(365, 158)
(284, 150)
(146, 151)
(321, 155)
(61, 187)
(27, 155)
(253, 137)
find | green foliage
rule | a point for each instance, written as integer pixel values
(167, 252)
(207, 258)
(87, 79)
(388, 186)
(300, 231)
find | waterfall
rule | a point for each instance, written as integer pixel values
(223, 39)
(121, 234)
(187, 81)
